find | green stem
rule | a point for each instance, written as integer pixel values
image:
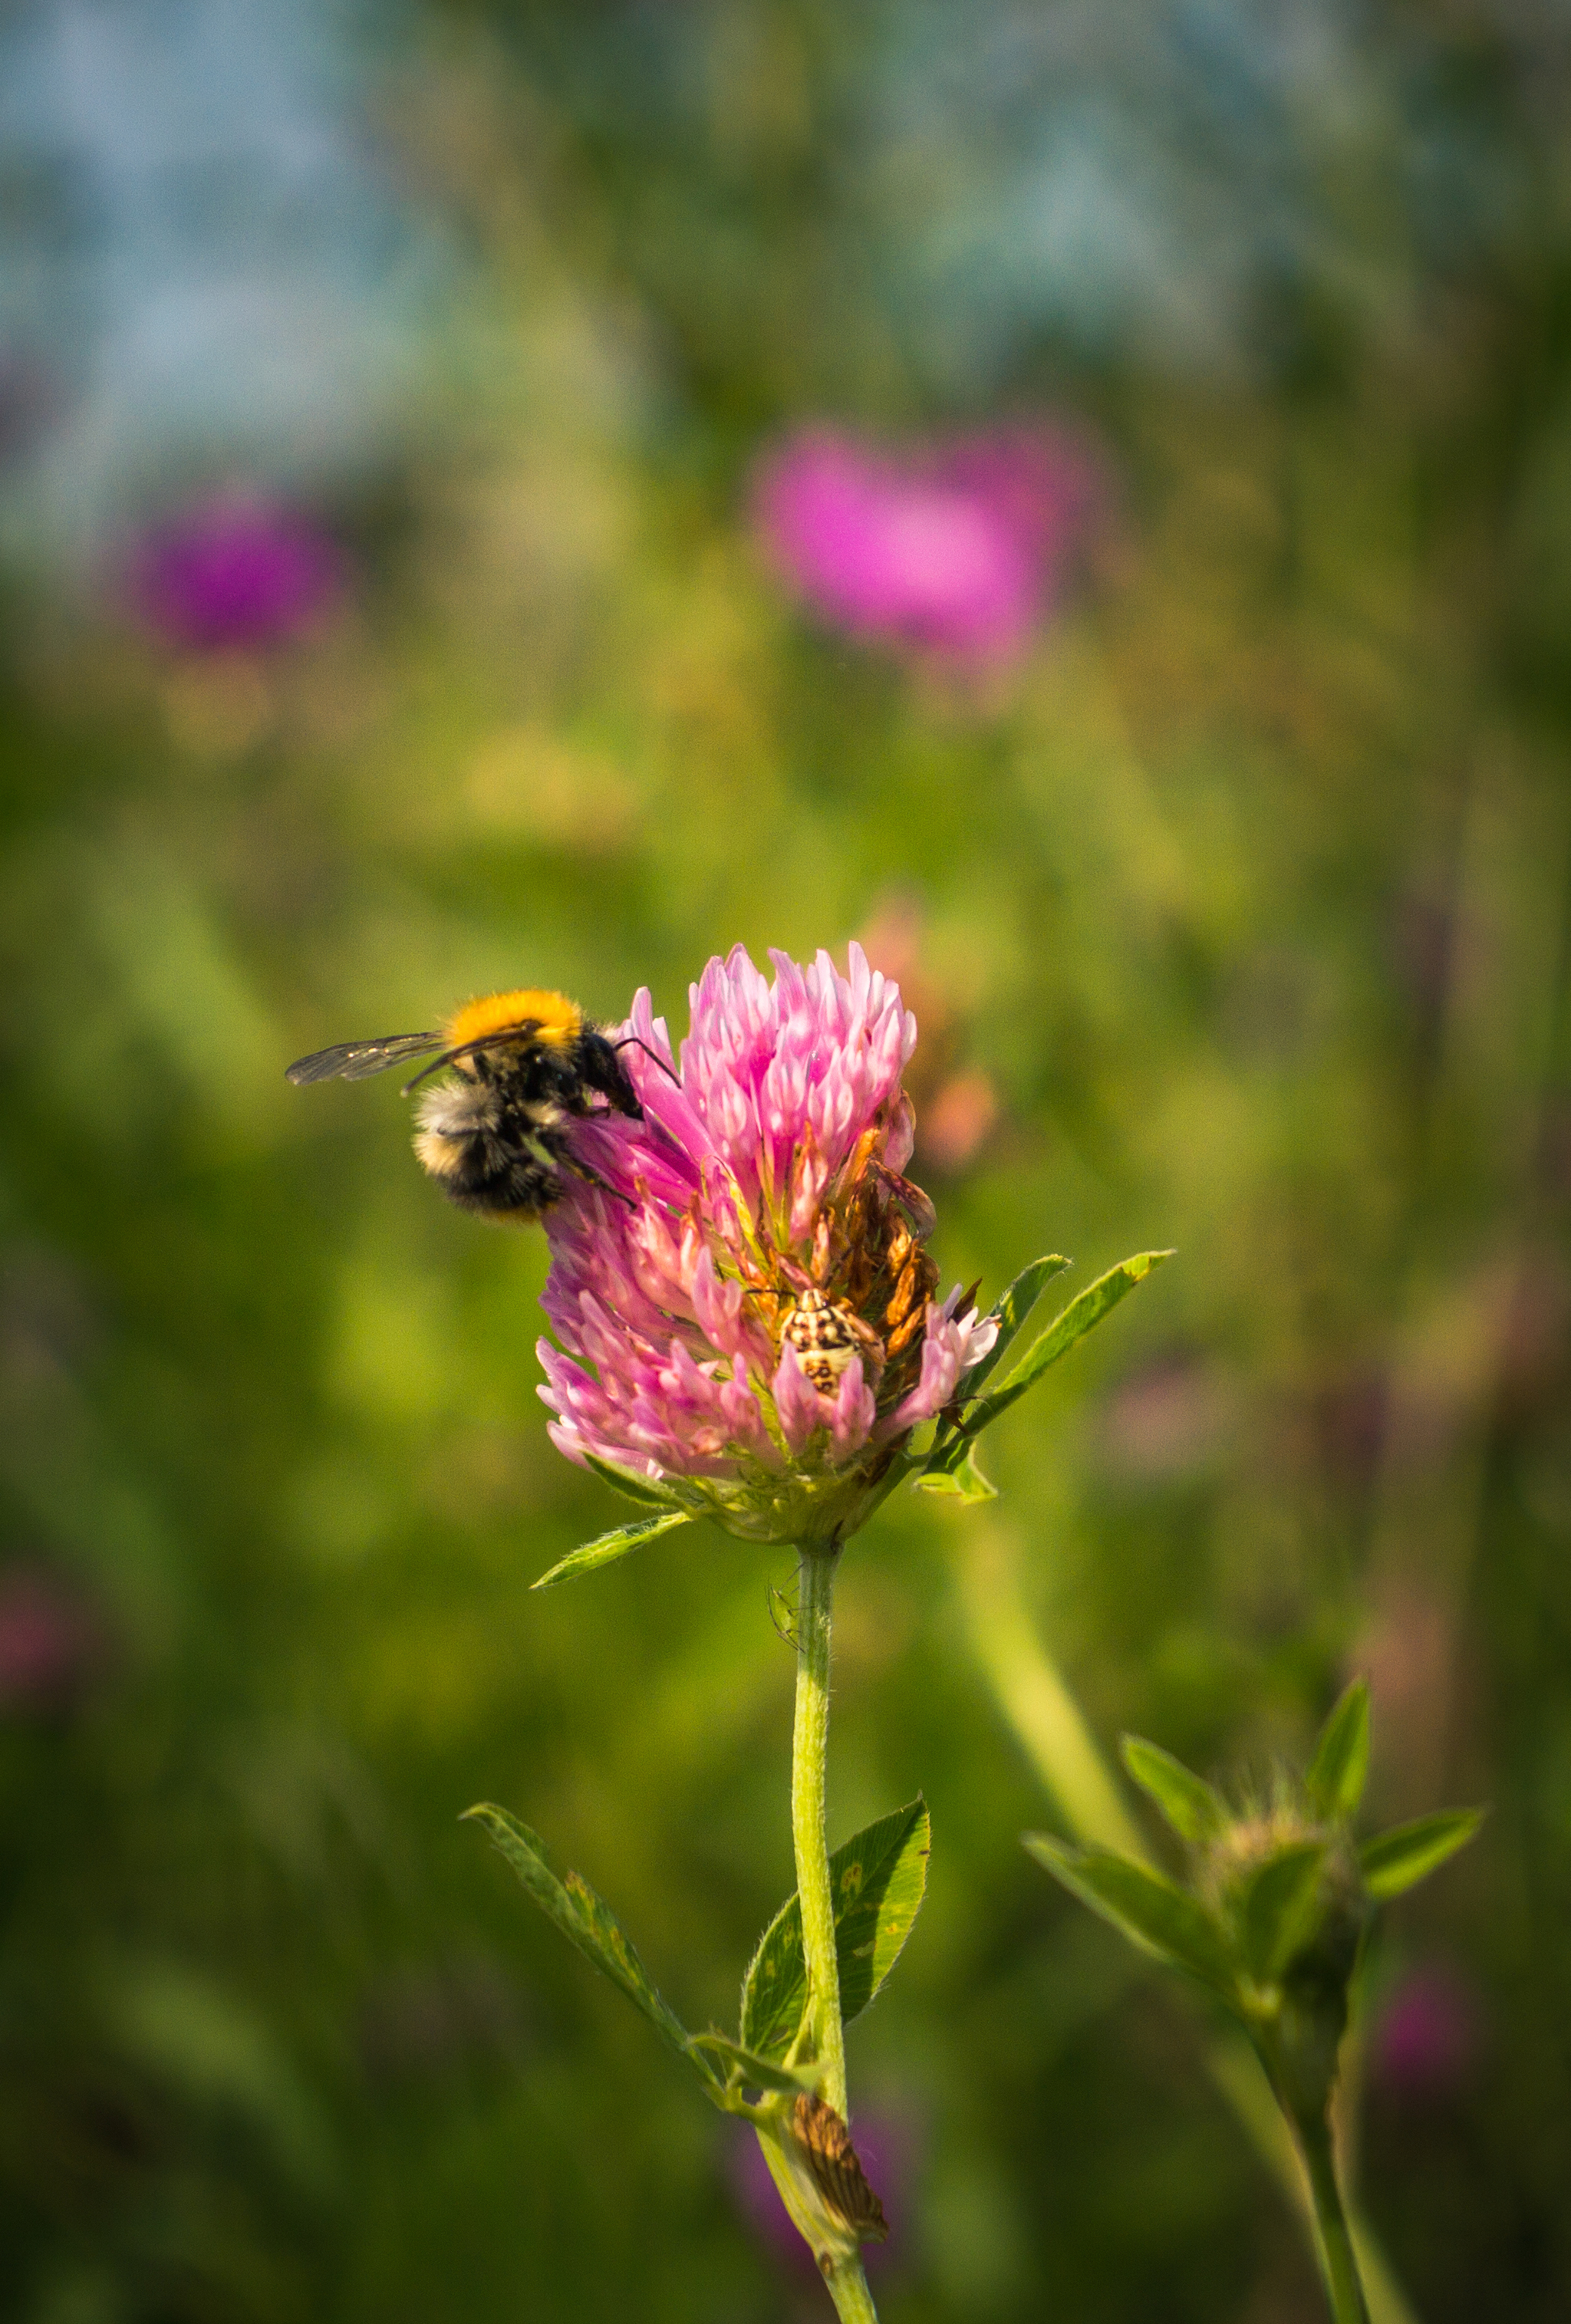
(809, 1759)
(809, 1754)
(1336, 2254)
(848, 2291)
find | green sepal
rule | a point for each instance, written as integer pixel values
(1398, 1859)
(1013, 1312)
(1278, 1908)
(1066, 1332)
(629, 1484)
(1152, 1911)
(1335, 1776)
(742, 2070)
(1194, 1809)
(606, 1551)
(586, 1921)
(964, 1483)
(877, 1880)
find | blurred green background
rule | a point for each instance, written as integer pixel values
(1235, 910)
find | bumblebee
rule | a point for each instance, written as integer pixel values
(498, 1136)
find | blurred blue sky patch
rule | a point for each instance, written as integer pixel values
(204, 270)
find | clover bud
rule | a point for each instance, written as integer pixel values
(1286, 1889)
(1270, 1921)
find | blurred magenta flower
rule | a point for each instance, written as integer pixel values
(235, 573)
(48, 1644)
(1426, 2041)
(746, 1311)
(958, 550)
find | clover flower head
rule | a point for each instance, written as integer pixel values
(747, 1314)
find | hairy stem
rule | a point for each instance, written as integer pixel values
(1336, 2253)
(809, 1758)
(809, 1754)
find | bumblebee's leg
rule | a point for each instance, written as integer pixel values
(582, 1170)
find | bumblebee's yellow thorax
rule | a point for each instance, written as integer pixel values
(559, 1020)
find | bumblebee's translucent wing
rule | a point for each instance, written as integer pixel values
(356, 1061)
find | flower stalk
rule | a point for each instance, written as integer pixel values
(823, 2028)
(809, 1757)
(1337, 2259)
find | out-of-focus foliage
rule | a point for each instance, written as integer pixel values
(1237, 916)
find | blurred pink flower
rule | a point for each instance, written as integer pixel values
(962, 1114)
(958, 550)
(47, 1644)
(746, 1311)
(1426, 2040)
(236, 574)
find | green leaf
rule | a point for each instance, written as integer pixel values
(1194, 1809)
(628, 1483)
(1278, 1908)
(964, 1483)
(610, 1546)
(742, 2070)
(1080, 1317)
(587, 1922)
(1397, 1860)
(877, 1880)
(1335, 1776)
(1152, 1912)
(1011, 1313)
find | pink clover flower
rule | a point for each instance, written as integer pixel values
(745, 1314)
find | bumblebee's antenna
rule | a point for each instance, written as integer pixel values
(632, 1041)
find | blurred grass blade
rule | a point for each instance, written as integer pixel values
(1146, 1908)
(878, 1880)
(1081, 1316)
(1278, 1907)
(610, 1546)
(1192, 1806)
(1398, 1859)
(586, 1921)
(1334, 1777)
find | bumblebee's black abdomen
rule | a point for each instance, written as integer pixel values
(500, 1180)
(490, 1152)
(498, 1136)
